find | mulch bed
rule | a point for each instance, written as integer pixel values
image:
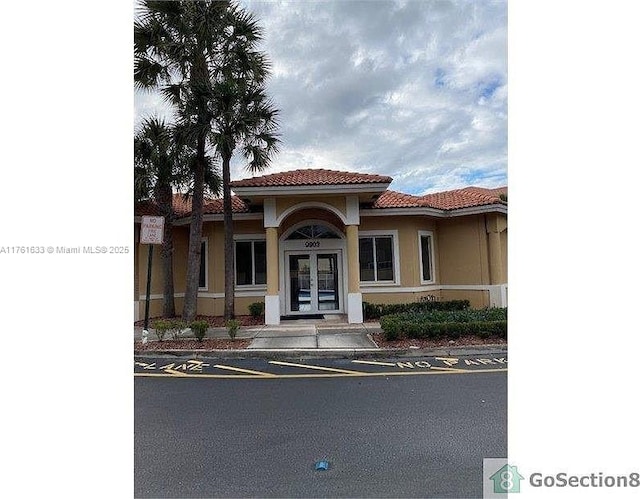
(189, 344)
(215, 321)
(418, 343)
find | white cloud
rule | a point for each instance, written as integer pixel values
(415, 90)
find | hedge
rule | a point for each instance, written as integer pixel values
(375, 311)
(445, 324)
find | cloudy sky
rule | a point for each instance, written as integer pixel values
(413, 89)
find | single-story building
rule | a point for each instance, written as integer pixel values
(321, 242)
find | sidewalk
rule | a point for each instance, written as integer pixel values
(317, 339)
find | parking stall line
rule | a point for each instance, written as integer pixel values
(374, 363)
(319, 368)
(244, 371)
(320, 375)
(449, 369)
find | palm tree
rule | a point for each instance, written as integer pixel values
(175, 45)
(246, 120)
(156, 170)
(202, 57)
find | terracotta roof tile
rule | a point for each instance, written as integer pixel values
(463, 198)
(182, 206)
(393, 199)
(449, 200)
(311, 177)
(215, 205)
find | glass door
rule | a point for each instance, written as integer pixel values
(313, 283)
(300, 283)
(327, 281)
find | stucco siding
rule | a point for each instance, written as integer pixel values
(462, 251)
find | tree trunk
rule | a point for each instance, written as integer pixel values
(166, 208)
(189, 309)
(229, 278)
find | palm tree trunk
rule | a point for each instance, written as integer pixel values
(189, 308)
(166, 208)
(229, 304)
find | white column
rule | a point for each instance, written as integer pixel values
(354, 297)
(272, 298)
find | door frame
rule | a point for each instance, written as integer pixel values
(313, 272)
(285, 246)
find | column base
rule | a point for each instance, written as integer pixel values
(272, 310)
(354, 308)
(498, 295)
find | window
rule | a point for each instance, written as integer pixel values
(251, 263)
(314, 231)
(426, 256)
(377, 262)
(202, 282)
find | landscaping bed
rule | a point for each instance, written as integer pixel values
(408, 343)
(192, 344)
(216, 321)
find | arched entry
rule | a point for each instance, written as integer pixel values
(312, 256)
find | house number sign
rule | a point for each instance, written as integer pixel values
(312, 244)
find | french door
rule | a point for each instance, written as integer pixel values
(313, 282)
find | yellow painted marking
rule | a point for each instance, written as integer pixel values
(145, 365)
(374, 363)
(246, 371)
(175, 373)
(485, 361)
(319, 368)
(449, 369)
(405, 364)
(450, 361)
(325, 375)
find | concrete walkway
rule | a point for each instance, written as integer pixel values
(298, 335)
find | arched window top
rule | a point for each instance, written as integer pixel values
(313, 231)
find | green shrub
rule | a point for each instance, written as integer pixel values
(446, 324)
(377, 310)
(176, 326)
(199, 329)
(232, 326)
(256, 309)
(389, 325)
(161, 327)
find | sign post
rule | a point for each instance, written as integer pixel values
(151, 232)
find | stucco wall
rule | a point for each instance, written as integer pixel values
(462, 251)
(460, 247)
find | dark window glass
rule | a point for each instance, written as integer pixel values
(260, 255)
(244, 266)
(384, 258)
(425, 246)
(366, 259)
(203, 265)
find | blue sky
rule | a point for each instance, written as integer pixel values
(412, 89)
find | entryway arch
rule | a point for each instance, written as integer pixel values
(314, 272)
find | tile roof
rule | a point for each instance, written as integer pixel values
(448, 200)
(182, 206)
(393, 199)
(311, 177)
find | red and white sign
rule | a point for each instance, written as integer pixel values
(152, 230)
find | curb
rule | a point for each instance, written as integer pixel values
(315, 353)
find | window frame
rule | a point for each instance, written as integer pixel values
(421, 234)
(395, 248)
(248, 238)
(204, 257)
